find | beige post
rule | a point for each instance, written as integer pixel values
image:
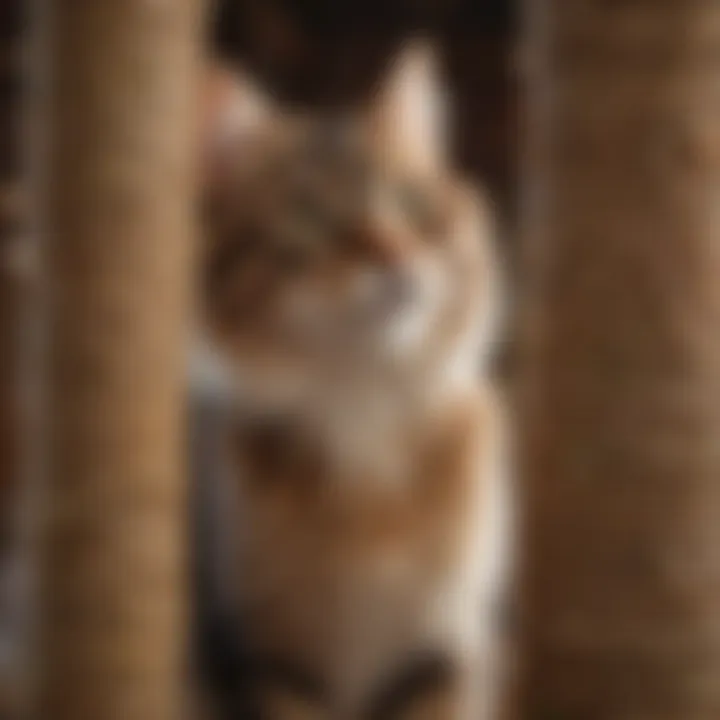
(115, 197)
(623, 424)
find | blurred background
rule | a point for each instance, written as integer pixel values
(595, 127)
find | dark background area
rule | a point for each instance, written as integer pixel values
(321, 52)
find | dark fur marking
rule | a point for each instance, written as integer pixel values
(423, 676)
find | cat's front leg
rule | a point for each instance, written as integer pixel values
(471, 638)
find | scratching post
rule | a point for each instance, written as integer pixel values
(623, 408)
(115, 190)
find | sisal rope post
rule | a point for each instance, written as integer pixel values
(115, 200)
(623, 407)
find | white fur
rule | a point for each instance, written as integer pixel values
(464, 611)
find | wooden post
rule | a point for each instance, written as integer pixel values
(623, 413)
(115, 190)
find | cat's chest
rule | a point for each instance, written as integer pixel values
(346, 572)
(351, 512)
(349, 593)
(363, 537)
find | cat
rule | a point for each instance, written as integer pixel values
(348, 290)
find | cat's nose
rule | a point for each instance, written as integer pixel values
(381, 245)
(386, 250)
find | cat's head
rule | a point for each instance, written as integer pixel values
(340, 241)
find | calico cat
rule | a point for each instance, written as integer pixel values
(348, 290)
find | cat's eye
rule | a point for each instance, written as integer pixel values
(292, 258)
(297, 243)
(225, 258)
(421, 208)
(307, 212)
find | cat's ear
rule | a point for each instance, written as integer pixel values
(408, 114)
(234, 111)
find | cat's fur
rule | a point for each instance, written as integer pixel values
(348, 292)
